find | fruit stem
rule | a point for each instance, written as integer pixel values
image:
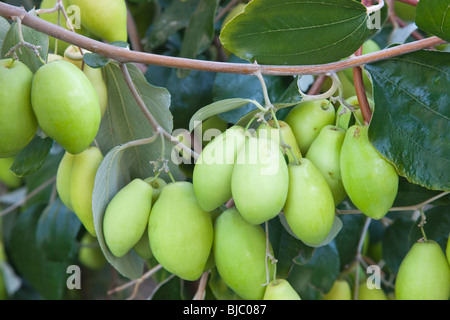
(361, 91)
(282, 143)
(422, 223)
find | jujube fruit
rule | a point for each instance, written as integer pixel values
(7, 177)
(366, 293)
(90, 254)
(280, 289)
(340, 290)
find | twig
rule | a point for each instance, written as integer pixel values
(364, 106)
(200, 294)
(410, 2)
(358, 255)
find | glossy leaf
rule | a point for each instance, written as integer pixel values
(297, 32)
(410, 126)
(433, 17)
(32, 157)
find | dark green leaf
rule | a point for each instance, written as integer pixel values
(32, 157)
(434, 17)
(297, 32)
(411, 123)
(95, 60)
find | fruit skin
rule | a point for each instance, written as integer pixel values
(126, 216)
(260, 180)
(285, 134)
(180, 231)
(447, 251)
(7, 177)
(240, 252)
(307, 119)
(281, 290)
(309, 208)
(365, 293)
(106, 19)
(370, 181)
(424, 273)
(66, 105)
(325, 154)
(213, 169)
(90, 254)
(75, 179)
(339, 291)
(18, 123)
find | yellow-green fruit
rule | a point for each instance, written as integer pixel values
(366, 293)
(180, 231)
(371, 182)
(90, 254)
(66, 105)
(309, 208)
(126, 216)
(3, 292)
(211, 128)
(240, 255)
(339, 291)
(424, 274)
(75, 183)
(213, 169)
(325, 154)
(447, 251)
(106, 19)
(7, 177)
(307, 119)
(357, 114)
(405, 11)
(18, 124)
(260, 180)
(53, 18)
(280, 289)
(283, 134)
(343, 117)
(142, 247)
(157, 184)
(95, 75)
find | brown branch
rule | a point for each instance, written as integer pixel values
(364, 106)
(410, 2)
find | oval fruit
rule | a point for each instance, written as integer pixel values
(370, 181)
(325, 154)
(339, 291)
(307, 119)
(180, 231)
(75, 183)
(309, 208)
(90, 254)
(424, 274)
(7, 177)
(18, 123)
(366, 293)
(240, 255)
(260, 180)
(280, 289)
(66, 105)
(126, 217)
(214, 167)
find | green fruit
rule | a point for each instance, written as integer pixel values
(365, 293)
(424, 274)
(309, 208)
(357, 114)
(90, 254)
(343, 117)
(18, 124)
(7, 177)
(53, 18)
(3, 292)
(75, 183)
(180, 231)
(158, 185)
(66, 105)
(280, 289)
(282, 134)
(370, 181)
(307, 119)
(348, 88)
(339, 291)
(126, 216)
(240, 255)
(325, 154)
(142, 247)
(405, 11)
(211, 127)
(447, 251)
(213, 169)
(106, 19)
(260, 180)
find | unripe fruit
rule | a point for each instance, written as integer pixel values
(447, 251)
(325, 154)
(279, 135)
(90, 254)
(307, 119)
(66, 105)
(260, 180)
(339, 291)
(213, 169)
(126, 217)
(7, 177)
(365, 293)
(158, 185)
(424, 274)
(75, 183)
(309, 208)
(180, 231)
(18, 124)
(240, 255)
(142, 247)
(280, 290)
(357, 113)
(370, 181)
(106, 19)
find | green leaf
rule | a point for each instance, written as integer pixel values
(32, 157)
(348, 238)
(298, 32)
(411, 122)
(4, 27)
(95, 60)
(434, 17)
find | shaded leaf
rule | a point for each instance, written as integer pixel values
(32, 157)
(434, 17)
(4, 27)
